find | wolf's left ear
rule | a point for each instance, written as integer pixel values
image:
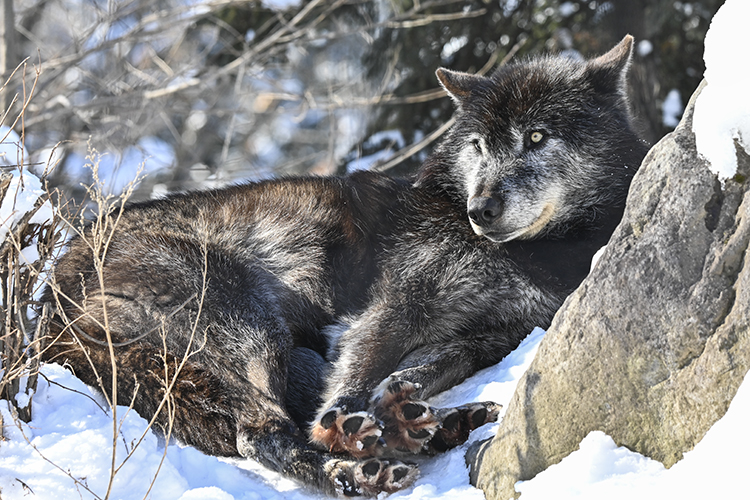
(609, 72)
(458, 85)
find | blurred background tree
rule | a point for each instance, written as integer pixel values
(204, 93)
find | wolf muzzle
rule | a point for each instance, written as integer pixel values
(484, 210)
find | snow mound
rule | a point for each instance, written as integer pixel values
(722, 111)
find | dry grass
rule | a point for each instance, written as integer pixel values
(31, 245)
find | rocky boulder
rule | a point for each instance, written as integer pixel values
(653, 345)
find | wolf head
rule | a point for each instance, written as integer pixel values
(541, 145)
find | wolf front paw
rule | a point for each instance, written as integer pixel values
(457, 423)
(358, 434)
(409, 424)
(371, 477)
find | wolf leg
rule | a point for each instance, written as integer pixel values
(394, 419)
(344, 424)
(426, 317)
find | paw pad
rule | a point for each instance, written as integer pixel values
(412, 411)
(408, 422)
(371, 468)
(327, 420)
(399, 473)
(378, 475)
(358, 434)
(352, 424)
(479, 417)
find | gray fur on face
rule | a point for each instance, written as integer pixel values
(547, 149)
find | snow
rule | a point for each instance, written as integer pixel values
(596, 257)
(23, 191)
(722, 111)
(66, 450)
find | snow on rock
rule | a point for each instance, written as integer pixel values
(722, 111)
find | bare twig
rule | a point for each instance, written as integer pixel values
(406, 152)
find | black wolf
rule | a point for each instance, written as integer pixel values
(302, 322)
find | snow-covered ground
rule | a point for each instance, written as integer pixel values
(65, 452)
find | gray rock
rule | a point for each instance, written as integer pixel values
(653, 345)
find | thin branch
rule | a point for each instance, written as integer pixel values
(406, 152)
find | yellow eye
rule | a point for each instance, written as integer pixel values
(536, 137)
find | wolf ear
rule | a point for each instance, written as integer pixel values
(457, 84)
(609, 72)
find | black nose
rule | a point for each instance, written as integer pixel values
(484, 210)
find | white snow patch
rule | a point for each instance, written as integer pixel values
(722, 111)
(591, 472)
(596, 257)
(672, 109)
(23, 192)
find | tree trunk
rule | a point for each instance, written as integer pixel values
(7, 48)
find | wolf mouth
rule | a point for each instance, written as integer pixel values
(525, 232)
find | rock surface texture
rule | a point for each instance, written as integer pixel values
(653, 345)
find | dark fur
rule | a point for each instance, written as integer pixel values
(346, 301)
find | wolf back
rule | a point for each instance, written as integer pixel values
(303, 322)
